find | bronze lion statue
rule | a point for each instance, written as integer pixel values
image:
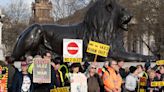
(104, 22)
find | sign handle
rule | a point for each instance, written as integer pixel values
(95, 58)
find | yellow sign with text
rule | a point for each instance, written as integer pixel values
(72, 59)
(61, 89)
(98, 48)
(157, 83)
(160, 62)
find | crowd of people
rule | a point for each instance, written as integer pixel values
(112, 77)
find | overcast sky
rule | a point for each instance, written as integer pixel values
(6, 2)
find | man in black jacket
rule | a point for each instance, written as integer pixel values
(22, 81)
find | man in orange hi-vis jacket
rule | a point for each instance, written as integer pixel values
(111, 78)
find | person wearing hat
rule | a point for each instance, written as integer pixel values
(95, 83)
(131, 80)
(22, 81)
(75, 67)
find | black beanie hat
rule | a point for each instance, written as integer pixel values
(132, 69)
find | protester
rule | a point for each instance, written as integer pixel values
(111, 78)
(95, 83)
(85, 66)
(31, 66)
(56, 76)
(105, 67)
(22, 81)
(11, 71)
(141, 71)
(29, 59)
(122, 72)
(131, 80)
(121, 69)
(47, 54)
(102, 70)
(152, 78)
(75, 67)
(160, 75)
(147, 66)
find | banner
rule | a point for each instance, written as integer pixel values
(60, 89)
(160, 62)
(78, 82)
(98, 48)
(72, 50)
(3, 78)
(157, 83)
(42, 70)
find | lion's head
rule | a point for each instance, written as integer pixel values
(104, 18)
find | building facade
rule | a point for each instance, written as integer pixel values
(42, 12)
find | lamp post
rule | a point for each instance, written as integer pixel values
(1, 46)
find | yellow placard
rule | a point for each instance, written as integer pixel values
(157, 83)
(98, 48)
(142, 90)
(160, 62)
(143, 81)
(72, 59)
(61, 89)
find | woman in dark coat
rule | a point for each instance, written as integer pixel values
(22, 81)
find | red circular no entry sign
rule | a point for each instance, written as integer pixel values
(72, 48)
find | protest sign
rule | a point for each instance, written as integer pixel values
(78, 82)
(160, 62)
(157, 83)
(3, 78)
(42, 70)
(60, 89)
(72, 50)
(143, 81)
(98, 48)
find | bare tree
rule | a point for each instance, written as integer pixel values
(64, 8)
(17, 16)
(148, 14)
(18, 11)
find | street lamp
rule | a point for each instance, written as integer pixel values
(1, 46)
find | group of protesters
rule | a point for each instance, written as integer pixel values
(112, 77)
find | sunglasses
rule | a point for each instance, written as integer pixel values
(93, 68)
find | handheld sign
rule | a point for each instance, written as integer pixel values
(79, 82)
(72, 50)
(160, 62)
(157, 83)
(98, 49)
(42, 71)
(60, 89)
(3, 78)
(143, 81)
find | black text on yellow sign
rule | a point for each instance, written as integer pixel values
(98, 48)
(160, 62)
(157, 83)
(62, 89)
(72, 59)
